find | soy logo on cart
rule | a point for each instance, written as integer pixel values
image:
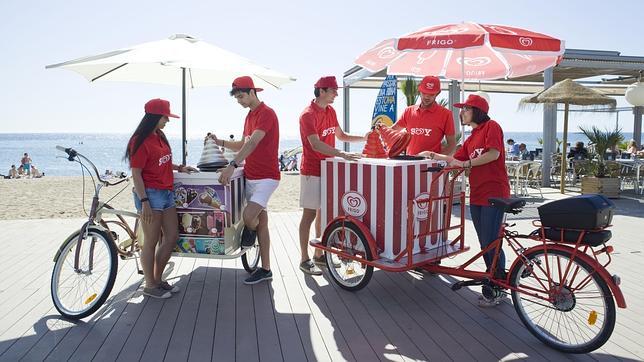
(354, 204)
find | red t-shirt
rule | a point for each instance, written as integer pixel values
(427, 127)
(154, 158)
(491, 179)
(262, 163)
(322, 122)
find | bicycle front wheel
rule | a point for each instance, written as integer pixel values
(563, 301)
(80, 291)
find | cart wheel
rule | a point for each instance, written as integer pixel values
(250, 258)
(577, 315)
(347, 237)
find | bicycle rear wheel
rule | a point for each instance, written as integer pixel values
(77, 293)
(250, 258)
(347, 237)
(571, 311)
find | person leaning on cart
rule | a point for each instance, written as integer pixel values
(484, 154)
(150, 158)
(428, 122)
(318, 128)
(259, 148)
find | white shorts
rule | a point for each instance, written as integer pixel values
(310, 192)
(259, 191)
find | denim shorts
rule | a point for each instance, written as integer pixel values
(159, 199)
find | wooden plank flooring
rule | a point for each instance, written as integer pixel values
(397, 317)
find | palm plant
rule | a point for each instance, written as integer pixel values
(409, 88)
(602, 140)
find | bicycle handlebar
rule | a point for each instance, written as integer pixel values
(72, 154)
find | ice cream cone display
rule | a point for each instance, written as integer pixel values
(212, 158)
(374, 147)
(395, 141)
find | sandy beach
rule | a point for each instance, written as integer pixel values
(62, 197)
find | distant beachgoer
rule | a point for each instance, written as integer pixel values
(523, 152)
(13, 172)
(150, 158)
(25, 163)
(35, 173)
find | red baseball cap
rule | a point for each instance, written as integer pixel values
(475, 101)
(327, 82)
(245, 82)
(159, 106)
(430, 85)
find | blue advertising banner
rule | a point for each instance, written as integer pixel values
(385, 108)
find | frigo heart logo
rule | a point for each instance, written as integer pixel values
(386, 53)
(354, 204)
(421, 206)
(353, 201)
(476, 62)
(526, 42)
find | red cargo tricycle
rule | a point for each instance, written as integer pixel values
(559, 284)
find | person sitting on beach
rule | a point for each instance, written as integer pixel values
(150, 157)
(25, 163)
(13, 172)
(318, 129)
(259, 149)
(428, 123)
(579, 152)
(35, 173)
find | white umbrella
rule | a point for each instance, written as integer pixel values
(179, 60)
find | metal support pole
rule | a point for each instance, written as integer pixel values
(549, 131)
(637, 125)
(184, 141)
(346, 111)
(453, 94)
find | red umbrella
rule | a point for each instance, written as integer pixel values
(466, 51)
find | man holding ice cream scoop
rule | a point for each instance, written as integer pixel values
(428, 123)
(258, 148)
(318, 129)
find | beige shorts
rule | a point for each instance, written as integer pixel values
(259, 191)
(309, 192)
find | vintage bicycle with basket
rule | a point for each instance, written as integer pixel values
(559, 284)
(86, 263)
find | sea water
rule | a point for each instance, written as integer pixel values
(107, 150)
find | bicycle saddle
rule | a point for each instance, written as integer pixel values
(510, 205)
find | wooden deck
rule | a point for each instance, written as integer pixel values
(399, 316)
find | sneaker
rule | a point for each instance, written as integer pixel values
(259, 275)
(157, 292)
(485, 302)
(171, 288)
(248, 237)
(321, 261)
(308, 267)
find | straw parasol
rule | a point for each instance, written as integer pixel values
(568, 92)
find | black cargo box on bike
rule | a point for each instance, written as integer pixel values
(585, 212)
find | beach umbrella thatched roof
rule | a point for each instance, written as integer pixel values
(570, 92)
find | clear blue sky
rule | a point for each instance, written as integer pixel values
(304, 39)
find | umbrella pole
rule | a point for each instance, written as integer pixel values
(184, 153)
(563, 149)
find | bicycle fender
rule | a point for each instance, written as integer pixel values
(365, 230)
(75, 235)
(599, 269)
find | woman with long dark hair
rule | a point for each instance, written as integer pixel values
(150, 158)
(484, 154)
